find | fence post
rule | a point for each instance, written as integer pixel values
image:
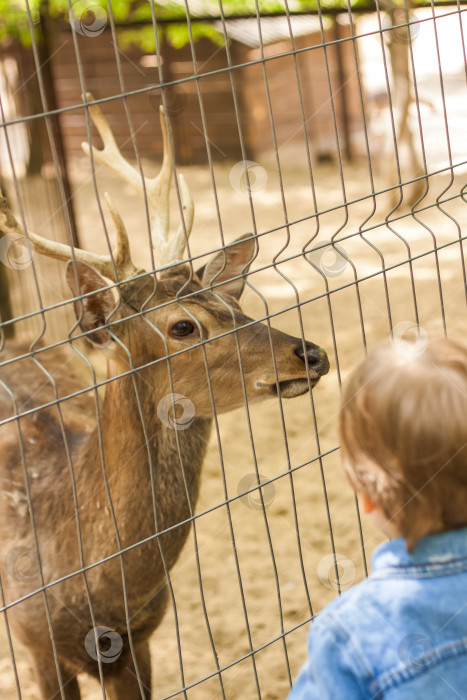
(5, 306)
(342, 91)
(54, 120)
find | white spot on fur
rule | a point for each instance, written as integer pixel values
(19, 501)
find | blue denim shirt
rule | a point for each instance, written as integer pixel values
(400, 634)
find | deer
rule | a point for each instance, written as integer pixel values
(99, 488)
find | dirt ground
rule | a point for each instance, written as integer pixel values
(262, 572)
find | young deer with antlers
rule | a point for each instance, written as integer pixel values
(98, 496)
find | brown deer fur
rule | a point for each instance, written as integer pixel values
(152, 470)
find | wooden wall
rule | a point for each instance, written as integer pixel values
(210, 97)
(322, 77)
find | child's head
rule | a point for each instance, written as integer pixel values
(403, 429)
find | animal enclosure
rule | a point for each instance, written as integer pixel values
(332, 250)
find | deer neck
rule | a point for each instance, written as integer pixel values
(153, 471)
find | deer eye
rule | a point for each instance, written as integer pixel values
(182, 329)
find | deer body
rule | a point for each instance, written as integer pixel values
(128, 473)
(83, 480)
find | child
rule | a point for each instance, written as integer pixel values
(402, 633)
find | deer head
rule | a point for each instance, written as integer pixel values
(182, 330)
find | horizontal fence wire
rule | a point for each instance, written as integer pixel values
(122, 568)
(319, 247)
(381, 31)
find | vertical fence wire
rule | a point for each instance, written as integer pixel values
(185, 291)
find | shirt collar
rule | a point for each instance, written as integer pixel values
(442, 548)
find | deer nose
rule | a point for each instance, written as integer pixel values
(317, 359)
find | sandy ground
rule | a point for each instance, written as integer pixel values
(259, 573)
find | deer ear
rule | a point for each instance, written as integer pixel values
(91, 311)
(233, 261)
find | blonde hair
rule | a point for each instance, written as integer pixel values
(403, 430)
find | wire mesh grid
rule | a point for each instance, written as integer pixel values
(110, 533)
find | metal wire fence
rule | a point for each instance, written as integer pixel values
(124, 566)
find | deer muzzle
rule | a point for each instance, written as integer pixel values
(296, 378)
(313, 356)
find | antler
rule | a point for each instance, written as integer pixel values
(157, 188)
(119, 266)
(116, 267)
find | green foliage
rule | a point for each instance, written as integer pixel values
(15, 23)
(179, 34)
(14, 20)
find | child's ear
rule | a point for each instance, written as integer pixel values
(367, 505)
